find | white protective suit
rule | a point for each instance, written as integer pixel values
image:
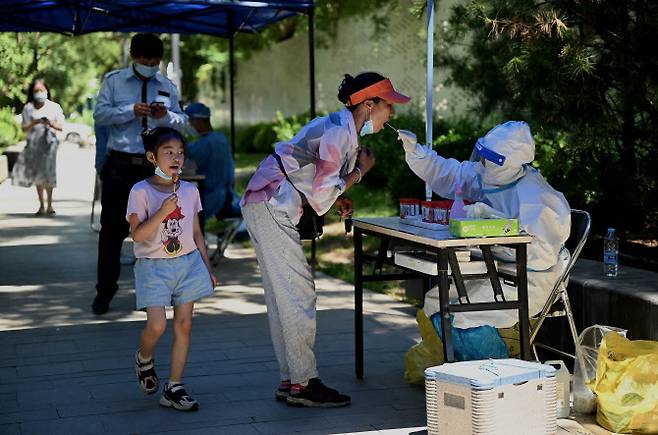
(515, 190)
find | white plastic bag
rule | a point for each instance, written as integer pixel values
(584, 401)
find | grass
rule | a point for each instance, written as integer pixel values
(335, 252)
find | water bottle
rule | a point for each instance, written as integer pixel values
(563, 387)
(610, 254)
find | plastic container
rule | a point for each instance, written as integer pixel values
(442, 211)
(611, 254)
(409, 208)
(563, 387)
(497, 396)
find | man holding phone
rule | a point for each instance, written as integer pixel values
(130, 101)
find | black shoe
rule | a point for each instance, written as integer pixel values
(99, 307)
(281, 394)
(317, 395)
(174, 396)
(146, 377)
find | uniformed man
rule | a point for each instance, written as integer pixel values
(131, 100)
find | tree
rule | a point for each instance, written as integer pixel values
(72, 66)
(583, 74)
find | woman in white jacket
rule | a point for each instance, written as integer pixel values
(501, 182)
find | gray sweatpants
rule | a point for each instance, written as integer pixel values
(289, 289)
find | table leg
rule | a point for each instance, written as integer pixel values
(358, 302)
(522, 289)
(444, 301)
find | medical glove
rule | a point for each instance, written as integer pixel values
(480, 210)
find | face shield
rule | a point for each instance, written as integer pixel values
(481, 153)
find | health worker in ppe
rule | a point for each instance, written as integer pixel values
(501, 183)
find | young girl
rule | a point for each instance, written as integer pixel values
(172, 265)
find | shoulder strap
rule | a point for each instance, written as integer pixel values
(278, 160)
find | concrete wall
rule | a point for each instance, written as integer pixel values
(277, 79)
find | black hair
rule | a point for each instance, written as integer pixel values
(156, 137)
(350, 85)
(146, 45)
(30, 89)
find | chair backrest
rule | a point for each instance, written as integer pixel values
(580, 226)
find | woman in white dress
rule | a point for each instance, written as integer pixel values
(36, 164)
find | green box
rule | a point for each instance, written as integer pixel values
(483, 227)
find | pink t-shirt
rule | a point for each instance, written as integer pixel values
(175, 236)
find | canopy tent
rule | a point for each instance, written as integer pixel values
(212, 17)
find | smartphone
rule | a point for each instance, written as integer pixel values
(156, 105)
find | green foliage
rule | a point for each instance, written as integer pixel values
(264, 139)
(10, 129)
(72, 66)
(286, 128)
(582, 75)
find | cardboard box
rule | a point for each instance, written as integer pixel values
(483, 227)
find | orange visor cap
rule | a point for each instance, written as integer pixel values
(382, 89)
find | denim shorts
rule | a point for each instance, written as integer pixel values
(165, 282)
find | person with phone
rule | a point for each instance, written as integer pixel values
(36, 165)
(124, 109)
(315, 168)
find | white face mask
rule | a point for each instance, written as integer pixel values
(40, 96)
(146, 71)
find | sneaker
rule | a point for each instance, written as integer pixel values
(282, 393)
(146, 377)
(316, 395)
(174, 396)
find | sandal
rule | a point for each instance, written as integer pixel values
(50, 212)
(146, 377)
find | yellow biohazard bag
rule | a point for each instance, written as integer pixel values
(626, 385)
(427, 353)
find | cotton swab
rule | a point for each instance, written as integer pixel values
(390, 126)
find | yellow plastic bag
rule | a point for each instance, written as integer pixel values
(427, 353)
(626, 385)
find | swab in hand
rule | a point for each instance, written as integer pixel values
(390, 126)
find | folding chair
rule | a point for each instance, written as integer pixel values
(557, 304)
(225, 237)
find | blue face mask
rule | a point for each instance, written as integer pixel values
(146, 71)
(160, 173)
(40, 97)
(368, 127)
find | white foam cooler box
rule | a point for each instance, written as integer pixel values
(501, 397)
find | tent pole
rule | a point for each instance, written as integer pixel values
(430, 85)
(311, 59)
(175, 60)
(231, 69)
(311, 80)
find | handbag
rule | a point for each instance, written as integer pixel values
(310, 223)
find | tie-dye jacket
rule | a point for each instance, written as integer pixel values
(316, 160)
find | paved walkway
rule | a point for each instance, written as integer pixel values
(64, 370)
